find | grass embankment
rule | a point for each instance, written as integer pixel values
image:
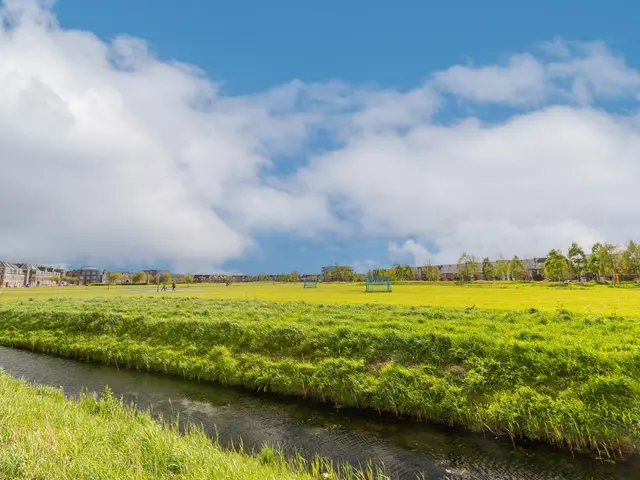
(563, 378)
(46, 436)
(581, 298)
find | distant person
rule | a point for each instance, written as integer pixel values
(173, 286)
(164, 287)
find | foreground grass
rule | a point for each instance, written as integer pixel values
(567, 379)
(578, 298)
(46, 436)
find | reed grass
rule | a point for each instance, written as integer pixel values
(44, 435)
(568, 379)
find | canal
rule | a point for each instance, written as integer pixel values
(406, 449)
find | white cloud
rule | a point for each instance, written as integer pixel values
(521, 82)
(577, 71)
(535, 182)
(364, 266)
(418, 254)
(111, 155)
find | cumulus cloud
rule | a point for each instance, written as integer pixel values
(109, 154)
(521, 81)
(417, 253)
(534, 182)
(577, 71)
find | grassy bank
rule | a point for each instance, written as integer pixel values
(46, 436)
(563, 378)
(579, 298)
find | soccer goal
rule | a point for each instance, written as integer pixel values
(378, 284)
(311, 284)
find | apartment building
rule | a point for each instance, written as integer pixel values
(89, 275)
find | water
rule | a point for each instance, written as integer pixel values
(405, 448)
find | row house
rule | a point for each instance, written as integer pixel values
(11, 276)
(15, 275)
(241, 278)
(209, 278)
(533, 270)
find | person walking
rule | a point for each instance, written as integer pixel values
(173, 286)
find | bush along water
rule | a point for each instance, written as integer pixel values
(566, 379)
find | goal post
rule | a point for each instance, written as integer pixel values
(378, 284)
(310, 284)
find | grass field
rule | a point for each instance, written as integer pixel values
(565, 378)
(45, 436)
(498, 295)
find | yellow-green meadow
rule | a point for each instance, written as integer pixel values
(590, 298)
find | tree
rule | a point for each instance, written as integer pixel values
(188, 279)
(593, 262)
(165, 277)
(431, 273)
(555, 267)
(605, 260)
(630, 262)
(140, 277)
(516, 268)
(502, 269)
(488, 270)
(398, 273)
(403, 272)
(577, 261)
(349, 275)
(408, 272)
(467, 266)
(295, 276)
(113, 278)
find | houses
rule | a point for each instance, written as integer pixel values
(11, 276)
(209, 278)
(534, 268)
(15, 275)
(89, 275)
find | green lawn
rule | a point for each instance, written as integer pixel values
(500, 295)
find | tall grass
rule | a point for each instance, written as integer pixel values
(46, 436)
(567, 379)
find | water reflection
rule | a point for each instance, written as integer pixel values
(404, 448)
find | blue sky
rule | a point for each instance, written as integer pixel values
(253, 45)
(324, 110)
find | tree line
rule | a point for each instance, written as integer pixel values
(605, 261)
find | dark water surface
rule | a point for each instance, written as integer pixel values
(405, 448)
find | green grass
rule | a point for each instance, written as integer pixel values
(493, 295)
(43, 435)
(564, 378)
